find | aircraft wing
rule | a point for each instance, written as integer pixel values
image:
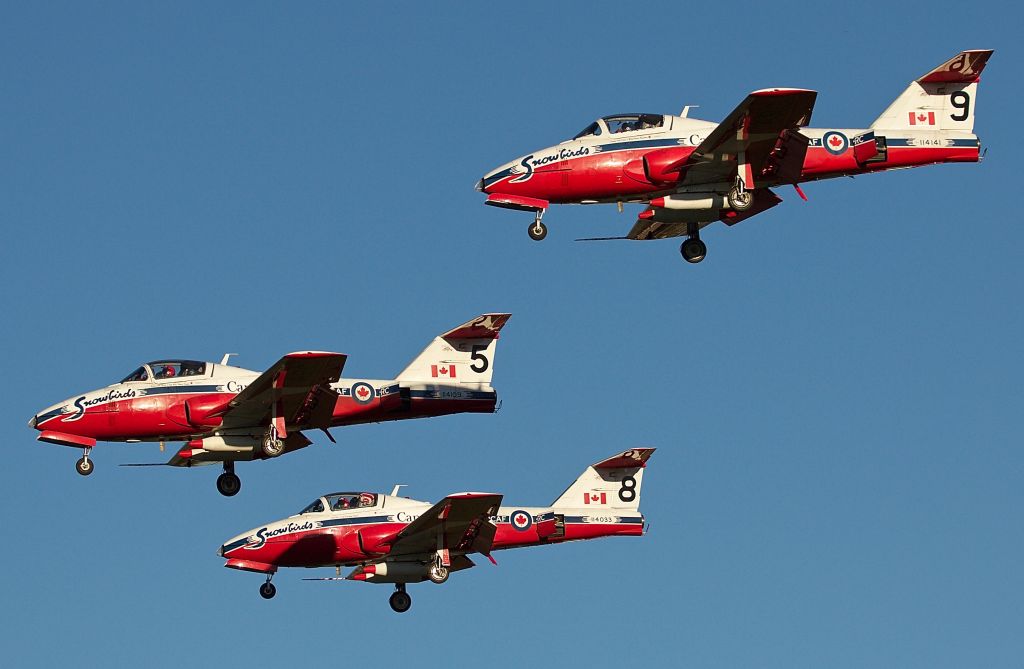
(750, 141)
(459, 522)
(296, 390)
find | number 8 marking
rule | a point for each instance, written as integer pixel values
(627, 493)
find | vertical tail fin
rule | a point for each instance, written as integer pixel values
(464, 354)
(943, 99)
(613, 483)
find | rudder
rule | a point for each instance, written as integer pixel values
(942, 99)
(464, 354)
(613, 483)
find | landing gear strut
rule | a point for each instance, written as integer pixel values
(740, 199)
(267, 590)
(273, 446)
(693, 249)
(84, 465)
(400, 600)
(438, 573)
(228, 484)
(538, 230)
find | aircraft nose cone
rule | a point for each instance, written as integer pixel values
(480, 185)
(33, 421)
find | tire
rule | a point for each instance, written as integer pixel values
(741, 201)
(84, 466)
(267, 590)
(400, 601)
(438, 573)
(228, 484)
(693, 250)
(537, 231)
(272, 447)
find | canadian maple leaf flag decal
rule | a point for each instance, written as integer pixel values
(595, 498)
(442, 370)
(922, 118)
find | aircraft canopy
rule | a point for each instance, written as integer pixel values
(340, 501)
(166, 369)
(617, 123)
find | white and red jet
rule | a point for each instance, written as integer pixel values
(691, 173)
(390, 539)
(227, 414)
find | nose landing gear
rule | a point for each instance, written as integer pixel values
(267, 590)
(84, 465)
(538, 230)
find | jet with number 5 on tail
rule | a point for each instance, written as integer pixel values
(690, 173)
(390, 539)
(228, 414)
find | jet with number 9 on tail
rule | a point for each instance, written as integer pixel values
(390, 539)
(690, 173)
(227, 414)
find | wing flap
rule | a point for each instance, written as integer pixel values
(748, 136)
(295, 388)
(459, 522)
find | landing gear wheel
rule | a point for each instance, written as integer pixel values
(693, 250)
(84, 466)
(538, 231)
(267, 590)
(741, 200)
(438, 573)
(272, 446)
(400, 601)
(228, 484)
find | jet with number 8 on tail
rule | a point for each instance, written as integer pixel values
(395, 540)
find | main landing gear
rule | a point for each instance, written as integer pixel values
(538, 230)
(400, 600)
(84, 465)
(693, 249)
(273, 445)
(267, 590)
(740, 199)
(228, 484)
(438, 573)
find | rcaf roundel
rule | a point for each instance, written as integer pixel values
(362, 392)
(835, 142)
(520, 520)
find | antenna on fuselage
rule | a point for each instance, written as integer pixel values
(227, 356)
(398, 486)
(686, 111)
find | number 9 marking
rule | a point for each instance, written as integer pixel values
(962, 101)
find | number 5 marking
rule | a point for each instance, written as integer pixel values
(479, 358)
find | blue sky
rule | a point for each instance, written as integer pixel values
(834, 393)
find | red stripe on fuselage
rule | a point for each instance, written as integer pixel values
(593, 177)
(318, 547)
(509, 537)
(153, 416)
(819, 163)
